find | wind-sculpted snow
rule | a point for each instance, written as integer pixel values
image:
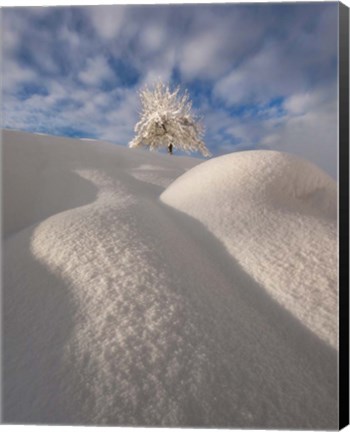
(277, 215)
(120, 310)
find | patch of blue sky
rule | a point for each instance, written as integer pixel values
(175, 78)
(107, 85)
(74, 132)
(223, 137)
(24, 56)
(62, 104)
(200, 92)
(27, 90)
(126, 74)
(272, 109)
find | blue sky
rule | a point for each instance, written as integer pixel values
(261, 75)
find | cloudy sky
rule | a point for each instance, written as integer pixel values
(261, 75)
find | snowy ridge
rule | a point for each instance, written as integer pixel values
(120, 310)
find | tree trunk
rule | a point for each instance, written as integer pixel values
(170, 149)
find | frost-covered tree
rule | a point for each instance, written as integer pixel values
(167, 120)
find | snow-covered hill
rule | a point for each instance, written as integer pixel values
(121, 309)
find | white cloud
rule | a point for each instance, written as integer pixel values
(232, 88)
(14, 74)
(71, 37)
(12, 25)
(305, 125)
(288, 62)
(267, 74)
(310, 129)
(109, 116)
(301, 103)
(9, 37)
(216, 41)
(152, 37)
(107, 20)
(198, 57)
(161, 70)
(96, 71)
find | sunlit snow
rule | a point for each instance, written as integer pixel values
(212, 306)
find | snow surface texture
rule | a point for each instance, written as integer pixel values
(121, 310)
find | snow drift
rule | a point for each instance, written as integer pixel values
(278, 217)
(120, 310)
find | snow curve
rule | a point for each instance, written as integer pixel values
(277, 215)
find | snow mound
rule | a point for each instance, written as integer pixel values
(277, 215)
